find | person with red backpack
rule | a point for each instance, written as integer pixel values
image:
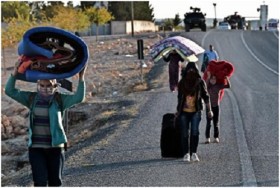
(46, 133)
(214, 90)
(216, 77)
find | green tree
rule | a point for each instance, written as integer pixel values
(15, 28)
(37, 10)
(177, 20)
(143, 11)
(64, 17)
(70, 4)
(168, 24)
(87, 4)
(69, 18)
(121, 10)
(11, 9)
(13, 32)
(99, 16)
(54, 3)
(49, 9)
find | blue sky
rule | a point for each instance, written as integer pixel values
(247, 8)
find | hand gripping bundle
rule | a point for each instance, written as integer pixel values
(50, 53)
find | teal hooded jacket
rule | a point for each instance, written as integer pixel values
(55, 114)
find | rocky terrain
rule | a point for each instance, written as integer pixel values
(113, 78)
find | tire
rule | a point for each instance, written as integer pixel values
(187, 28)
(203, 28)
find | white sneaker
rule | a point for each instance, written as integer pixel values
(217, 140)
(207, 141)
(195, 157)
(187, 157)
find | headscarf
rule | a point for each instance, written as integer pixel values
(49, 91)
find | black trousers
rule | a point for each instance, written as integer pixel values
(47, 166)
(216, 123)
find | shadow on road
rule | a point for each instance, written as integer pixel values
(123, 165)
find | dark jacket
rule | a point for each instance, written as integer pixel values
(173, 58)
(201, 91)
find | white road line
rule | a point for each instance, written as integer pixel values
(204, 37)
(258, 60)
(274, 32)
(248, 175)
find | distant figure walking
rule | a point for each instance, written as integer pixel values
(209, 55)
(173, 58)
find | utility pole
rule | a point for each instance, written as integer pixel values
(97, 5)
(132, 18)
(215, 19)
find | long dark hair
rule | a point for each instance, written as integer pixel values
(189, 83)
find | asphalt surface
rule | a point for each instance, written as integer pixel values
(254, 93)
(248, 152)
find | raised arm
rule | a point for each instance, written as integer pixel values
(16, 94)
(228, 84)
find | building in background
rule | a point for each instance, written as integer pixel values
(124, 27)
(263, 16)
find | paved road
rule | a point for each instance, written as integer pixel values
(254, 97)
(248, 154)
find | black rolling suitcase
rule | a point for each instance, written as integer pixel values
(170, 139)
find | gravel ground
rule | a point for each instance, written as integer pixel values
(113, 101)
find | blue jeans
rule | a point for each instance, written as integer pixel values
(189, 125)
(47, 166)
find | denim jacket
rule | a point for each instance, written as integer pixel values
(55, 114)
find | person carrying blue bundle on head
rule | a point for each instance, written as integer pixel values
(47, 137)
(173, 58)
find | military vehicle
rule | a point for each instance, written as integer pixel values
(195, 19)
(236, 21)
